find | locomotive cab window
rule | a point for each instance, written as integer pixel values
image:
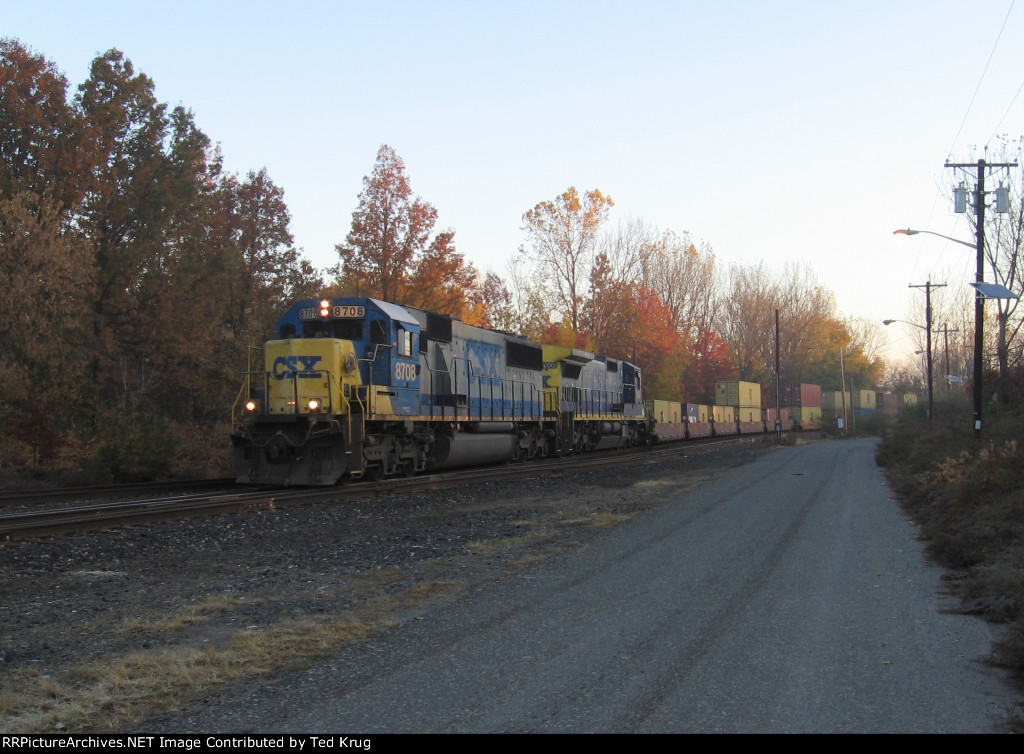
(379, 332)
(348, 329)
(287, 331)
(315, 330)
(404, 342)
(571, 371)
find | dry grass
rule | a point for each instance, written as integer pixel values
(117, 692)
(193, 615)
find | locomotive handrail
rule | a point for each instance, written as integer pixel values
(370, 392)
(593, 400)
(433, 403)
(534, 392)
(242, 390)
(246, 390)
(453, 374)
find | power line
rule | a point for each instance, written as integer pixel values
(982, 79)
(1010, 107)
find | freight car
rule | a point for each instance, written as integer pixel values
(357, 387)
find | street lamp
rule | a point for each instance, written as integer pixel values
(928, 330)
(909, 232)
(979, 309)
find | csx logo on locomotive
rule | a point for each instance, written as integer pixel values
(288, 366)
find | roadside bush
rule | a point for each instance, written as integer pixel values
(136, 449)
(201, 451)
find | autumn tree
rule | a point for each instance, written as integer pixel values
(841, 341)
(45, 275)
(616, 273)
(43, 145)
(529, 315)
(495, 303)
(441, 280)
(126, 208)
(710, 362)
(562, 237)
(252, 222)
(746, 319)
(683, 277)
(45, 268)
(389, 253)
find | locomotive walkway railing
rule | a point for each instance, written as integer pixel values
(514, 400)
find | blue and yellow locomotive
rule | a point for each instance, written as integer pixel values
(357, 387)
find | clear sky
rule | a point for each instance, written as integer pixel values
(777, 131)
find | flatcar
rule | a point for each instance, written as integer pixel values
(361, 388)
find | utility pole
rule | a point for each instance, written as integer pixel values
(928, 328)
(979, 299)
(842, 389)
(778, 383)
(945, 332)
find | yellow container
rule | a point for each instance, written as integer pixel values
(738, 393)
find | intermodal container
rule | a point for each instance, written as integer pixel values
(698, 412)
(747, 415)
(808, 417)
(723, 414)
(890, 403)
(803, 394)
(664, 411)
(836, 400)
(738, 393)
(865, 399)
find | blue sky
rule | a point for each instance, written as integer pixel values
(777, 131)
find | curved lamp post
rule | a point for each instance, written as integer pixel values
(928, 330)
(909, 232)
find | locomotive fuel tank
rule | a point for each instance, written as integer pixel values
(471, 449)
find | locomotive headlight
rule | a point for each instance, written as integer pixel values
(325, 308)
(314, 404)
(251, 406)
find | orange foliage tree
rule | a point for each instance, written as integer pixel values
(389, 253)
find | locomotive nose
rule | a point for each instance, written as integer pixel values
(277, 451)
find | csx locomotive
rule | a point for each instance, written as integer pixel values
(362, 388)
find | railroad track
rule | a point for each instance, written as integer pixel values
(106, 515)
(49, 495)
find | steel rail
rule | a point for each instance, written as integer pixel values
(85, 492)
